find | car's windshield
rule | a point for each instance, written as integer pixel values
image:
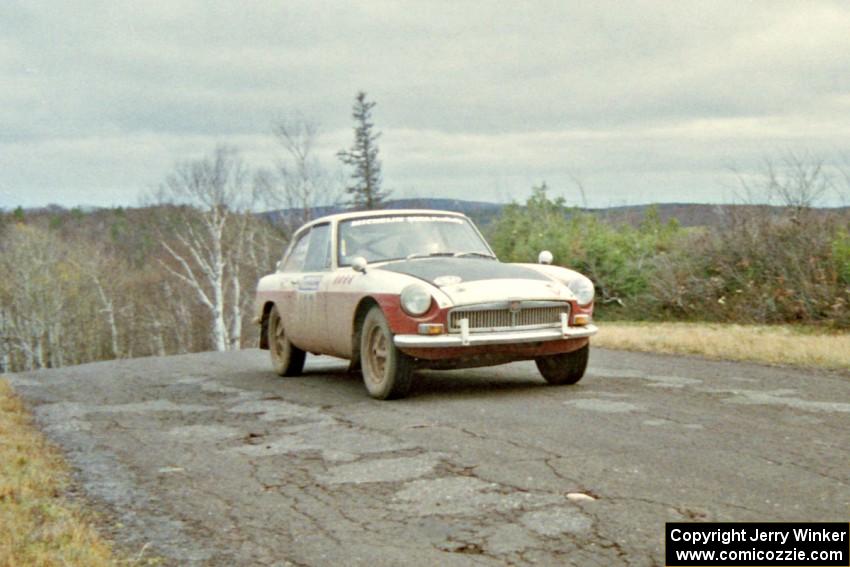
(395, 237)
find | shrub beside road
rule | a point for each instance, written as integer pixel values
(757, 265)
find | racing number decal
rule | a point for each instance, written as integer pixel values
(309, 321)
(307, 299)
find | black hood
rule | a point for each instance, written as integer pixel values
(468, 269)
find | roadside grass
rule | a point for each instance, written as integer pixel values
(780, 344)
(38, 527)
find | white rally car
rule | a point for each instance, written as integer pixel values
(393, 291)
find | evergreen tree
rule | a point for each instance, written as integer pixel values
(365, 187)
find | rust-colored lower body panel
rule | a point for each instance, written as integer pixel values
(488, 355)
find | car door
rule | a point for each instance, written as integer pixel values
(309, 317)
(289, 276)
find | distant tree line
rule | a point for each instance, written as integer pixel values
(80, 287)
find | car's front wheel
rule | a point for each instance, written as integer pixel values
(565, 368)
(387, 372)
(287, 359)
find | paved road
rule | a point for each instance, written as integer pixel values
(209, 459)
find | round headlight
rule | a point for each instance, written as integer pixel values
(415, 300)
(582, 288)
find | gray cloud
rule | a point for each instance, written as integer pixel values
(647, 101)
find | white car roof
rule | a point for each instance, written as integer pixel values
(380, 213)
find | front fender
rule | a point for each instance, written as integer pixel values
(403, 324)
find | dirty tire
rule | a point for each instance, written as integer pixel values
(287, 359)
(387, 372)
(566, 368)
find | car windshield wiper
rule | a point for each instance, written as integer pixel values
(431, 255)
(477, 254)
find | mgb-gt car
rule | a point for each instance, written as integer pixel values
(394, 291)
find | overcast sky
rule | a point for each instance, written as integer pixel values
(641, 101)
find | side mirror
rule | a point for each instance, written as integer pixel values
(358, 264)
(545, 257)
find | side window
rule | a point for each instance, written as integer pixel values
(295, 261)
(319, 251)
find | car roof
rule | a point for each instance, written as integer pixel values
(379, 213)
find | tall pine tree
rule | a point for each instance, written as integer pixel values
(365, 188)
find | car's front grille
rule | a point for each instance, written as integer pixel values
(509, 316)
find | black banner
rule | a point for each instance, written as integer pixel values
(757, 544)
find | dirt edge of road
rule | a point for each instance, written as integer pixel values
(783, 345)
(43, 521)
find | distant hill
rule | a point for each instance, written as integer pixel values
(483, 213)
(457, 205)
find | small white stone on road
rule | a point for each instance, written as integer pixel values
(580, 497)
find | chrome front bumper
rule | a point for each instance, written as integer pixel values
(497, 338)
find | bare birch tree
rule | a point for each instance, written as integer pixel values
(100, 270)
(209, 196)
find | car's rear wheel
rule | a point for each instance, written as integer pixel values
(287, 359)
(566, 368)
(387, 372)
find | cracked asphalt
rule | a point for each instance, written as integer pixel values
(211, 459)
